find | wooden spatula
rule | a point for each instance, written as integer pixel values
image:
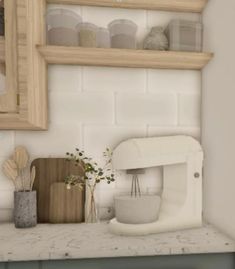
(32, 177)
(21, 157)
(10, 170)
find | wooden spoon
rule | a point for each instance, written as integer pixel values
(32, 177)
(21, 157)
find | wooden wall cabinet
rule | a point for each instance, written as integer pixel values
(24, 106)
(26, 55)
(8, 101)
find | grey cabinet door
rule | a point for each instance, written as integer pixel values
(207, 261)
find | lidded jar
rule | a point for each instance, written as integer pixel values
(123, 34)
(61, 27)
(103, 38)
(88, 33)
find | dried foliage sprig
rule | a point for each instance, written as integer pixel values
(93, 173)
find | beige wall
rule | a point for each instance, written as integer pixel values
(218, 113)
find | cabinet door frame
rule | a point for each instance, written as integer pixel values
(8, 101)
(26, 73)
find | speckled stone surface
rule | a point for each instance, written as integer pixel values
(25, 213)
(75, 241)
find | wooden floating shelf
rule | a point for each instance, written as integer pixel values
(124, 58)
(165, 5)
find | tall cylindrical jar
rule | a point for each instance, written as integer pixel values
(88, 34)
(25, 209)
(103, 39)
(61, 27)
(123, 34)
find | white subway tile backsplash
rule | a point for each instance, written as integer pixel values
(114, 79)
(64, 78)
(158, 109)
(75, 8)
(6, 215)
(103, 185)
(59, 139)
(105, 197)
(189, 109)
(5, 183)
(177, 130)
(174, 81)
(6, 143)
(83, 107)
(162, 18)
(98, 138)
(6, 199)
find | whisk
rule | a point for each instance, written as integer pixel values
(135, 185)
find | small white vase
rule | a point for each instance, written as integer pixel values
(91, 214)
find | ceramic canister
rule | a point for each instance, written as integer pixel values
(25, 209)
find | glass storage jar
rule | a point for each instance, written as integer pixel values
(123, 34)
(61, 27)
(103, 38)
(88, 34)
(184, 35)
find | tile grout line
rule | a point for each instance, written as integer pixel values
(14, 139)
(147, 81)
(146, 70)
(115, 121)
(82, 130)
(147, 129)
(82, 67)
(177, 109)
(82, 79)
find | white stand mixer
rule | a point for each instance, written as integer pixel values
(182, 160)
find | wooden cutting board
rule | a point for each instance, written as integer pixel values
(66, 205)
(49, 171)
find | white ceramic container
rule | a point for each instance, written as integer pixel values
(61, 27)
(137, 210)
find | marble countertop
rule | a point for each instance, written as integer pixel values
(75, 241)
